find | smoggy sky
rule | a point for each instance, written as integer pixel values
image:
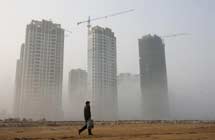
(190, 59)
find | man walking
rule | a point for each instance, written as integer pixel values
(87, 117)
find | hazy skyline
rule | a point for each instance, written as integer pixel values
(190, 59)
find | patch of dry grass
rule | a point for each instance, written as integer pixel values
(113, 132)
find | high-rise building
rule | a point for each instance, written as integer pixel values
(77, 93)
(102, 73)
(129, 91)
(153, 78)
(40, 72)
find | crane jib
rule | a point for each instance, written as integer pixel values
(103, 17)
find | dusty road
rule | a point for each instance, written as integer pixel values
(113, 132)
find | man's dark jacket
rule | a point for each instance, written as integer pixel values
(87, 113)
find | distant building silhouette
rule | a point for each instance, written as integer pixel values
(129, 91)
(102, 73)
(39, 72)
(77, 93)
(153, 78)
(4, 115)
(18, 80)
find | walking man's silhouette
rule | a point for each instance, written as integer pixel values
(88, 122)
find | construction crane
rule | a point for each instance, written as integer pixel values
(175, 35)
(103, 17)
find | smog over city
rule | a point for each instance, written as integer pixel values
(132, 59)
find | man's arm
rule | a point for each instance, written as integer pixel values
(89, 113)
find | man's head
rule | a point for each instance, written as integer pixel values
(87, 102)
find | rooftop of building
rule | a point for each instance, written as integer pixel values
(151, 37)
(103, 30)
(44, 22)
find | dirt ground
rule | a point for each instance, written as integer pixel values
(113, 132)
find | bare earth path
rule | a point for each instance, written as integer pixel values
(113, 132)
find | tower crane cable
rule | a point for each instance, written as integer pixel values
(175, 35)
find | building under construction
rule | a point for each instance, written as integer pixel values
(153, 78)
(102, 73)
(39, 73)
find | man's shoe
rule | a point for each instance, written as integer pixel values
(90, 134)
